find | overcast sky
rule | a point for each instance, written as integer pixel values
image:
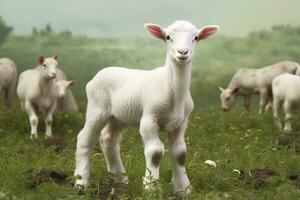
(126, 17)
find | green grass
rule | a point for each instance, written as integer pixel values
(235, 140)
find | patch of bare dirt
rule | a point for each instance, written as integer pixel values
(111, 191)
(45, 175)
(256, 177)
(58, 143)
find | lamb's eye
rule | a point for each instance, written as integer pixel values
(168, 37)
(227, 98)
(44, 65)
(196, 38)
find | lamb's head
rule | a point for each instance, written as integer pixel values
(48, 66)
(62, 87)
(228, 97)
(181, 38)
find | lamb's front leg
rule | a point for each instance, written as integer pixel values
(247, 102)
(153, 149)
(48, 120)
(34, 120)
(263, 100)
(181, 183)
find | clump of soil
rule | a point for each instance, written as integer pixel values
(58, 143)
(296, 179)
(256, 177)
(112, 190)
(45, 175)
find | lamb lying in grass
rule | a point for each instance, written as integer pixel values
(38, 92)
(8, 79)
(286, 95)
(247, 82)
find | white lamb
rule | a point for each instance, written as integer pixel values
(37, 91)
(154, 100)
(8, 79)
(286, 95)
(247, 82)
(66, 101)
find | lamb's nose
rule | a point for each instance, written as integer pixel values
(183, 51)
(53, 75)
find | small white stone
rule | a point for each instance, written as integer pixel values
(210, 163)
(237, 171)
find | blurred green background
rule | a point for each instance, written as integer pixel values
(90, 35)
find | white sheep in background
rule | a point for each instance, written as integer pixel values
(66, 101)
(37, 91)
(286, 95)
(8, 79)
(154, 100)
(247, 82)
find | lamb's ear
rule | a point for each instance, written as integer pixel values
(41, 60)
(55, 57)
(235, 90)
(221, 89)
(72, 82)
(207, 31)
(156, 31)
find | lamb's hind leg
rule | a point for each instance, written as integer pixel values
(153, 149)
(109, 141)
(9, 95)
(86, 141)
(277, 108)
(288, 117)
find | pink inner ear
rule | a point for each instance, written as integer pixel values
(156, 31)
(41, 59)
(206, 32)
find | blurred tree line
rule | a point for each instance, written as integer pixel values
(48, 31)
(5, 30)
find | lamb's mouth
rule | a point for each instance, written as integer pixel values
(182, 59)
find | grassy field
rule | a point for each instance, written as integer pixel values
(235, 140)
(269, 161)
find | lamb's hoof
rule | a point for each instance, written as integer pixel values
(48, 136)
(79, 184)
(122, 180)
(183, 193)
(151, 184)
(33, 136)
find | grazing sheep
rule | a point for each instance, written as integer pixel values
(154, 100)
(37, 92)
(66, 101)
(286, 95)
(247, 82)
(8, 79)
